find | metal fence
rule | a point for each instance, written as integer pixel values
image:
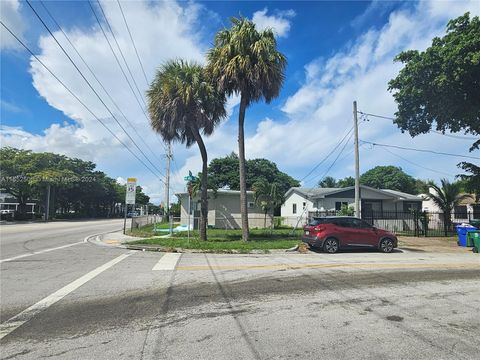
(139, 221)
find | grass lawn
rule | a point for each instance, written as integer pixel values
(226, 240)
(147, 230)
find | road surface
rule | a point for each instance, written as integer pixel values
(96, 302)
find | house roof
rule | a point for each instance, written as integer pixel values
(219, 191)
(321, 192)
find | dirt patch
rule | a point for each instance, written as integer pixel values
(394, 318)
(431, 244)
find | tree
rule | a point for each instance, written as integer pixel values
(471, 183)
(246, 61)
(182, 102)
(388, 177)
(327, 182)
(267, 196)
(441, 85)
(446, 198)
(223, 172)
(346, 182)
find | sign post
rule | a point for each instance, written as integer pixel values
(129, 197)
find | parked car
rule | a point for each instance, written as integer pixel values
(332, 233)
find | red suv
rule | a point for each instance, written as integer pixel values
(332, 233)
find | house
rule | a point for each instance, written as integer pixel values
(301, 203)
(9, 205)
(468, 209)
(223, 210)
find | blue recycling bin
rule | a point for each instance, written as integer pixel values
(462, 231)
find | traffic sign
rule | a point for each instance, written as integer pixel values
(131, 191)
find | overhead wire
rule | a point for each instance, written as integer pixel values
(434, 131)
(421, 150)
(133, 43)
(96, 78)
(78, 99)
(118, 61)
(91, 87)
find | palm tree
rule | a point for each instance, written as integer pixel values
(446, 198)
(183, 103)
(246, 62)
(267, 196)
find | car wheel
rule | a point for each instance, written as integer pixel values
(386, 245)
(331, 245)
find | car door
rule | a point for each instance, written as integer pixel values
(365, 234)
(344, 231)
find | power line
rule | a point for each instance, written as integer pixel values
(334, 161)
(96, 78)
(78, 99)
(133, 42)
(418, 165)
(421, 150)
(90, 85)
(121, 52)
(118, 61)
(434, 131)
(326, 157)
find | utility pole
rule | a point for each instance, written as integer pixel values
(47, 205)
(357, 163)
(168, 155)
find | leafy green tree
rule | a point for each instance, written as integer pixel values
(246, 61)
(422, 186)
(388, 177)
(471, 181)
(327, 182)
(346, 182)
(267, 196)
(223, 172)
(441, 85)
(446, 197)
(183, 103)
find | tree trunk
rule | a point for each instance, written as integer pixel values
(265, 220)
(241, 158)
(204, 186)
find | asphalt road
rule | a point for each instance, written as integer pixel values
(96, 302)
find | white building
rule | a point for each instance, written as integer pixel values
(300, 203)
(223, 210)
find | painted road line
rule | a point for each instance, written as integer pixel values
(40, 252)
(167, 261)
(363, 266)
(18, 320)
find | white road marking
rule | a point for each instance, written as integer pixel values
(18, 320)
(40, 252)
(167, 261)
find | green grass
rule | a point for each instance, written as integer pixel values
(226, 240)
(147, 230)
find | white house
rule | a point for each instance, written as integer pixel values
(223, 210)
(301, 202)
(463, 212)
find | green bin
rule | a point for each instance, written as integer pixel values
(476, 244)
(471, 235)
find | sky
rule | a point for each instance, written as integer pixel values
(337, 52)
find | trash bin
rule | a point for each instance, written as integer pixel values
(471, 235)
(476, 244)
(475, 222)
(462, 233)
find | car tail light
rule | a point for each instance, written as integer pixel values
(319, 228)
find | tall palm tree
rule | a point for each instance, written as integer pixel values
(183, 103)
(446, 197)
(246, 61)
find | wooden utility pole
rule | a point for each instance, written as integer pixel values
(168, 155)
(358, 213)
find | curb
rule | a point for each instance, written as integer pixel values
(98, 239)
(156, 248)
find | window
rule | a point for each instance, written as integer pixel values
(294, 208)
(304, 205)
(251, 205)
(409, 206)
(461, 212)
(339, 204)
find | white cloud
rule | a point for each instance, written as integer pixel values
(161, 31)
(321, 110)
(10, 15)
(279, 23)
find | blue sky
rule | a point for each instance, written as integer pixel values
(337, 52)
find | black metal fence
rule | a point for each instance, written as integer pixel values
(417, 223)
